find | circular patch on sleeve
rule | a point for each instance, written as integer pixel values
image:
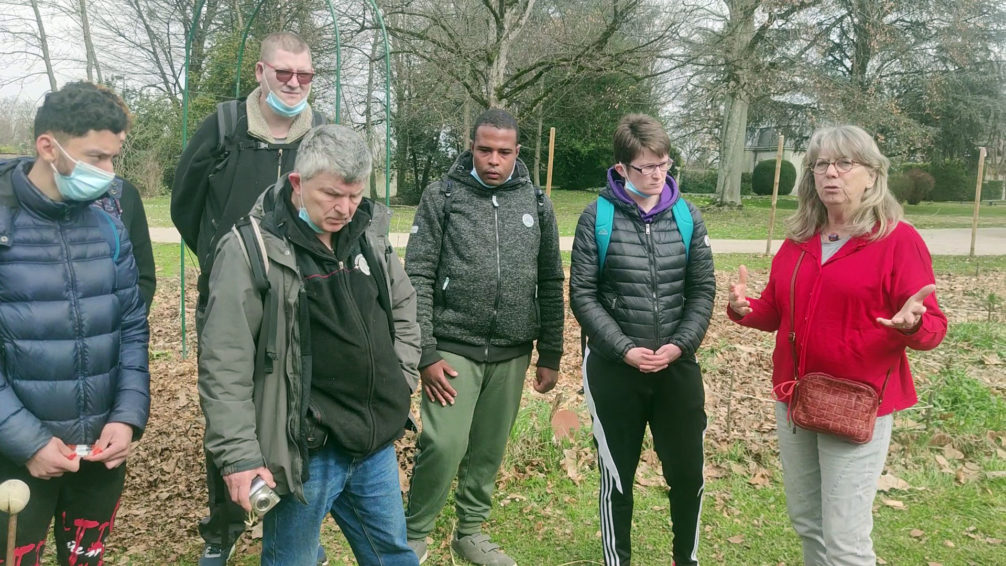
(528, 220)
(706, 240)
(361, 263)
(415, 229)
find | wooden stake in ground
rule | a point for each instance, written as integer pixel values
(14, 496)
(775, 196)
(978, 199)
(551, 155)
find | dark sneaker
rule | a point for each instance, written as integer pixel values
(215, 555)
(419, 547)
(478, 549)
(322, 557)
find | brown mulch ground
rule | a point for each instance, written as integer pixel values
(165, 493)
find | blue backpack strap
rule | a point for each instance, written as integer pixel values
(110, 233)
(683, 218)
(602, 229)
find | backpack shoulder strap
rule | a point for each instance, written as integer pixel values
(250, 235)
(683, 218)
(227, 123)
(111, 235)
(602, 228)
(317, 118)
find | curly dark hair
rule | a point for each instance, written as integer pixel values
(80, 107)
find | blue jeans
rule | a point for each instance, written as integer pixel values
(362, 494)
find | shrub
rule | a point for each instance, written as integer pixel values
(746, 183)
(952, 181)
(913, 185)
(763, 177)
(698, 181)
(992, 190)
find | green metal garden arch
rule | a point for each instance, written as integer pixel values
(237, 93)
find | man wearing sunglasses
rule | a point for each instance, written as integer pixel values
(238, 151)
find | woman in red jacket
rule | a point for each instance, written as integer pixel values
(863, 294)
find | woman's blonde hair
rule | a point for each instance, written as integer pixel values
(877, 207)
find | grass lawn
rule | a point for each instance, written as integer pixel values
(749, 222)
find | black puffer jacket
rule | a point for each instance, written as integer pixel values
(648, 294)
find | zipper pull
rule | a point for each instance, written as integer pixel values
(647, 229)
(495, 204)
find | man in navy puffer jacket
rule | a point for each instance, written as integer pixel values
(74, 383)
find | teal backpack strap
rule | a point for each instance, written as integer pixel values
(602, 229)
(110, 233)
(683, 218)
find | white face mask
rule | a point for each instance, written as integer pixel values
(85, 183)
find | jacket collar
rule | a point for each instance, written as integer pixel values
(813, 247)
(16, 191)
(259, 128)
(275, 215)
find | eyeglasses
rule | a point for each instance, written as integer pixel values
(844, 165)
(284, 75)
(653, 168)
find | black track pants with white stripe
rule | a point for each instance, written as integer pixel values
(622, 401)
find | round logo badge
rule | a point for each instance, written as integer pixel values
(528, 220)
(361, 264)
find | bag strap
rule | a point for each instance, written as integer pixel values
(250, 236)
(683, 218)
(602, 229)
(110, 234)
(227, 123)
(792, 327)
(792, 315)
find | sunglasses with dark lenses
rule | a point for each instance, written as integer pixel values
(284, 75)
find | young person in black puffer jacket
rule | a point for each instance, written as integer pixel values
(644, 309)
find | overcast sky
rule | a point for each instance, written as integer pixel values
(24, 77)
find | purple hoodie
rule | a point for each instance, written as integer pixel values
(668, 196)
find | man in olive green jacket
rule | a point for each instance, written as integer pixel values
(303, 393)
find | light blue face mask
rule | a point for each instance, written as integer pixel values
(282, 108)
(306, 218)
(475, 174)
(85, 183)
(632, 189)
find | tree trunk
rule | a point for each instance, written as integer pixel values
(92, 56)
(728, 181)
(43, 44)
(466, 122)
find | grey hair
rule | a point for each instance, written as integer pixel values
(335, 149)
(877, 207)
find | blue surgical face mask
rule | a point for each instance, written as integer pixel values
(85, 183)
(475, 174)
(632, 189)
(306, 218)
(282, 108)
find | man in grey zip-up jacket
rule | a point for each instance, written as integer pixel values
(484, 259)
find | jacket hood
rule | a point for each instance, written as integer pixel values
(616, 189)
(461, 171)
